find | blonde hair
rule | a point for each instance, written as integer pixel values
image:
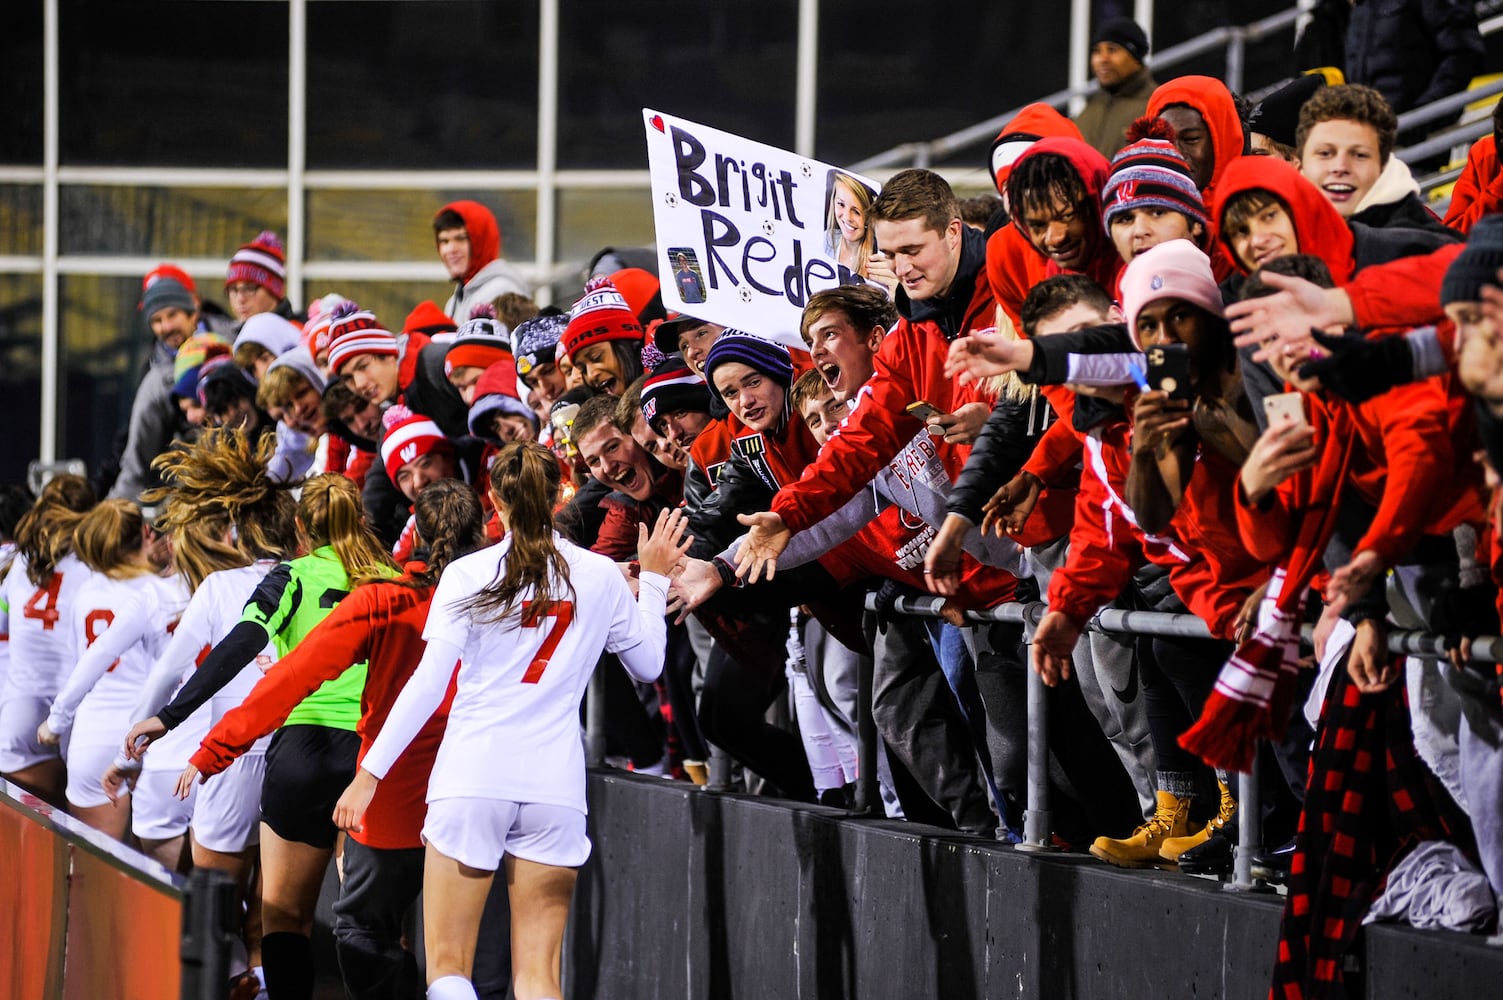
(1007, 385)
(279, 386)
(45, 533)
(526, 479)
(223, 476)
(331, 514)
(863, 197)
(108, 540)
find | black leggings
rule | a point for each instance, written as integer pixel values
(731, 710)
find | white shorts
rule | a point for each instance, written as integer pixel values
(88, 759)
(477, 832)
(20, 715)
(156, 811)
(227, 817)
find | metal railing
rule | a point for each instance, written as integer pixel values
(1233, 39)
(1037, 819)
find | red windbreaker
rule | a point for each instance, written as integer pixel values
(910, 365)
(1210, 97)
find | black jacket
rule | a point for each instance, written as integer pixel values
(1413, 51)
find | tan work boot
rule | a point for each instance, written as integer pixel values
(1171, 849)
(1141, 850)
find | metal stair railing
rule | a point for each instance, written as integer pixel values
(1233, 39)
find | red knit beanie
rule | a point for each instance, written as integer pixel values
(409, 436)
(354, 332)
(600, 315)
(262, 261)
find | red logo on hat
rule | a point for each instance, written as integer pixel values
(1127, 190)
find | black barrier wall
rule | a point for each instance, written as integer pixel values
(721, 897)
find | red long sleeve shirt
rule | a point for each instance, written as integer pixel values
(381, 623)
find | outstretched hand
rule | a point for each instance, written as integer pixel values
(758, 556)
(697, 583)
(1008, 509)
(1288, 315)
(985, 353)
(660, 550)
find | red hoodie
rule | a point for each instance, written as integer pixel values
(1479, 189)
(1101, 261)
(1320, 229)
(1210, 97)
(485, 235)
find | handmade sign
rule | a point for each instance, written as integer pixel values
(746, 232)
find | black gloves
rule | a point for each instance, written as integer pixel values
(1359, 368)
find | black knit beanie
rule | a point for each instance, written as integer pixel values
(1478, 264)
(1123, 31)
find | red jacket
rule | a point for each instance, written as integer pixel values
(1210, 97)
(910, 365)
(1107, 547)
(1479, 189)
(379, 623)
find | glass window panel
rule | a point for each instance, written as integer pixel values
(876, 92)
(398, 225)
(180, 84)
(166, 222)
(436, 83)
(20, 372)
(20, 219)
(21, 82)
(391, 301)
(590, 220)
(729, 65)
(105, 349)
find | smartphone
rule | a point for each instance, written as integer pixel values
(1169, 370)
(1286, 407)
(925, 411)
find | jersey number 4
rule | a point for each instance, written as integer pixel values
(43, 604)
(562, 613)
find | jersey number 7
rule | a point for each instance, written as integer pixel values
(562, 613)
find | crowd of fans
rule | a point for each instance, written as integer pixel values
(1210, 359)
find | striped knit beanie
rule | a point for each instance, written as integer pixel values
(672, 387)
(601, 314)
(1149, 171)
(354, 331)
(482, 341)
(262, 261)
(195, 352)
(408, 436)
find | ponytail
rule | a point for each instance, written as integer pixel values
(199, 548)
(331, 514)
(45, 533)
(526, 479)
(451, 523)
(108, 540)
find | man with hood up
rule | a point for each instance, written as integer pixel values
(1207, 129)
(469, 244)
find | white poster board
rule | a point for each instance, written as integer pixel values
(746, 232)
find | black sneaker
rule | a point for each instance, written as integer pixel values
(1272, 865)
(1213, 857)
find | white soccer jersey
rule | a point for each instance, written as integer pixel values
(513, 729)
(118, 627)
(41, 648)
(214, 610)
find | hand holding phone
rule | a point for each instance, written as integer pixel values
(1169, 370)
(1285, 408)
(925, 411)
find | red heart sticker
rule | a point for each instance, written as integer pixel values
(657, 122)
